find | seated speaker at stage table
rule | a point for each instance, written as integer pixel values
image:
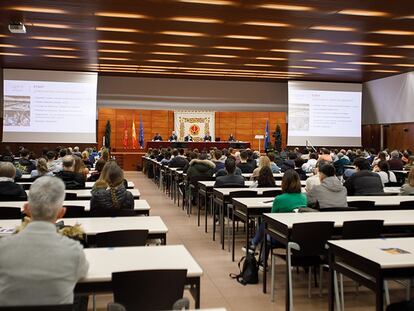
(207, 137)
(173, 137)
(157, 137)
(232, 138)
(188, 138)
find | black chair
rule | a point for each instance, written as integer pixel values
(10, 213)
(26, 186)
(121, 238)
(148, 290)
(393, 184)
(407, 205)
(113, 212)
(401, 306)
(362, 204)
(74, 211)
(338, 209)
(39, 308)
(307, 248)
(70, 196)
(271, 193)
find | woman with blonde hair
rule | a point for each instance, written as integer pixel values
(109, 191)
(41, 169)
(263, 161)
(408, 187)
(80, 167)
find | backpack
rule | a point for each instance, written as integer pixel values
(249, 274)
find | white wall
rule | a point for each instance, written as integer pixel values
(217, 95)
(389, 100)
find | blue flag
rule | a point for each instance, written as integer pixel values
(141, 134)
(267, 136)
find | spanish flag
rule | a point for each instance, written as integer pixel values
(134, 136)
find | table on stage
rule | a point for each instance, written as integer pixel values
(200, 145)
(104, 261)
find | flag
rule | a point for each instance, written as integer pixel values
(134, 136)
(125, 140)
(141, 134)
(267, 136)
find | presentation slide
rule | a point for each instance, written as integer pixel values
(49, 106)
(324, 114)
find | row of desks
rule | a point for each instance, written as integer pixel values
(88, 184)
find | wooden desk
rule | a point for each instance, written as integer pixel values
(85, 194)
(366, 262)
(88, 184)
(104, 261)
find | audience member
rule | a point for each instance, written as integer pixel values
(80, 167)
(265, 178)
(98, 169)
(72, 179)
(244, 166)
(289, 163)
(41, 169)
(340, 163)
(314, 180)
(76, 152)
(218, 160)
(173, 137)
(52, 164)
(395, 162)
(408, 188)
(39, 266)
(200, 167)
(230, 179)
(178, 160)
(274, 167)
(24, 165)
(330, 192)
(86, 159)
(298, 168)
(310, 165)
(263, 161)
(157, 137)
(363, 182)
(9, 190)
(325, 155)
(384, 172)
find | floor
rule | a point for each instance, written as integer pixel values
(217, 288)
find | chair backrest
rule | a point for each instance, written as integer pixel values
(362, 204)
(74, 211)
(39, 308)
(338, 209)
(148, 290)
(407, 205)
(271, 193)
(195, 179)
(362, 229)
(243, 194)
(121, 238)
(70, 196)
(312, 237)
(233, 186)
(26, 186)
(392, 184)
(113, 212)
(10, 213)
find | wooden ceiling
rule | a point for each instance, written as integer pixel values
(328, 40)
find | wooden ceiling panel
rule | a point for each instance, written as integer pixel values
(341, 40)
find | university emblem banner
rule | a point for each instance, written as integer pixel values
(195, 123)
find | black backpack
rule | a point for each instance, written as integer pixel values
(249, 274)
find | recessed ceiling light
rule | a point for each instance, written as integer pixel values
(163, 60)
(339, 53)
(114, 51)
(318, 60)
(364, 43)
(268, 24)
(153, 66)
(285, 7)
(178, 45)
(212, 63)
(37, 9)
(57, 48)
(11, 54)
(364, 63)
(221, 55)
(195, 19)
(286, 51)
(3, 36)
(231, 47)
(302, 67)
(271, 58)
(386, 56)
(212, 2)
(113, 58)
(246, 37)
(405, 46)
(117, 65)
(344, 69)
(385, 71)
(183, 33)
(394, 32)
(304, 40)
(120, 15)
(117, 29)
(168, 53)
(152, 69)
(2, 45)
(60, 56)
(47, 25)
(362, 13)
(404, 65)
(259, 65)
(51, 38)
(332, 28)
(115, 42)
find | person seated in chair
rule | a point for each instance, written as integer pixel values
(173, 137)
(207, 137)
(231, 178)
(188, 137)
(363, 182)
(232, 138)
(38, 265)
(244, 166)
(25, 165)
(157, 137)
(9, 190)
(72, 179)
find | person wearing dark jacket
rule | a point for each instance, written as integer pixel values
(72, 179)
(230, 179)
(289, 163)
(200, 167)
(363, 182)
(9, 190)
(98, 169)
(396, 164)
(243, 165)
(109, 191)
(178, 161)
(24, 165)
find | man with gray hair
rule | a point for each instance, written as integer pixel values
(9, 190)
(396, 164)
(38, 266)
(72, 179)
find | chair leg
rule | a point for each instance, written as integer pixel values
(94, 302)
(289, 254)
(408, 291)
(309, 282)
(320, 280)
(341, 282)
(387, 293)
(336, 289)
(272, 277)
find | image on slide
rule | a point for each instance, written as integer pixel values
(16, 110)
(299, 117)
